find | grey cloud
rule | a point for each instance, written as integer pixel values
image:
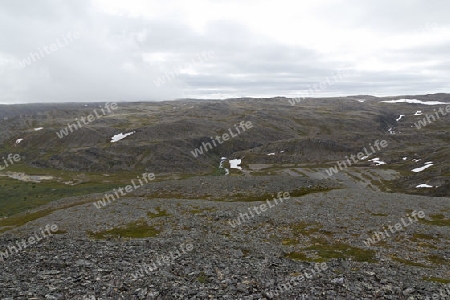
(107, 61)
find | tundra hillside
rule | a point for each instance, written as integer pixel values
(333, 198)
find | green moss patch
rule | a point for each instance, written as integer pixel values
(305, 228)
(436, 220)
(160, 213)
(18, 196)
(301, 257)
(305, 191)
(422, 236)
(289, 242)
(22, 219)
(437, 279)
(139, 229)
(324, 251)
(379, 214)
(202, 278)
(408, 262)
(199, 210)
(437, 259)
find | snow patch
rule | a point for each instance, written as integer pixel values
(399, 118)
(271, 153)
(427, 165)
(18, 141)
(423, 185)
(234, 164)
(418, 113)
(377, 161)
(39, 128)
(120, 136)
(414, 101)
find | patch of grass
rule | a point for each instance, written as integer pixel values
(422, 236)
(218, 172)
(299, 172)
(353, 176)
(262, 173)
(59, 231)
(436, 220)
(408, 262)
(437, 279)
(378, 214)
(326, 251)
(289, 242)
(139, 229)
(437, 259)
(201, 210)
(22, 219)
(161, 213)
(428, 245)
(18, 196)
(202, 278)
(305, 191)
(305, 228)
(437, 216)
(300, 256)
(369, 178)
(295, 193)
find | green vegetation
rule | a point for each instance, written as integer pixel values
(201, 210)
(436, 220)
(202, 278)
(289, 242)
(238, 197)
(300, 256)
(305, 228)
(436, 279)
(326, 250)
(139, 229)
(420, 237)
(408, 262)
(323, 251)
(19, 196)
(437, 259)
(20, 220)
(160, 213)
(219, 172)
(423, 236)
(378, 214)
(353, 176)
(305, 191)
(295, 193)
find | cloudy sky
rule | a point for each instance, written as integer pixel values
(137, 50)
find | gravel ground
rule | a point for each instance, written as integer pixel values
(247, 261)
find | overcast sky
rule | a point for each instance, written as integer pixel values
(117, 50)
